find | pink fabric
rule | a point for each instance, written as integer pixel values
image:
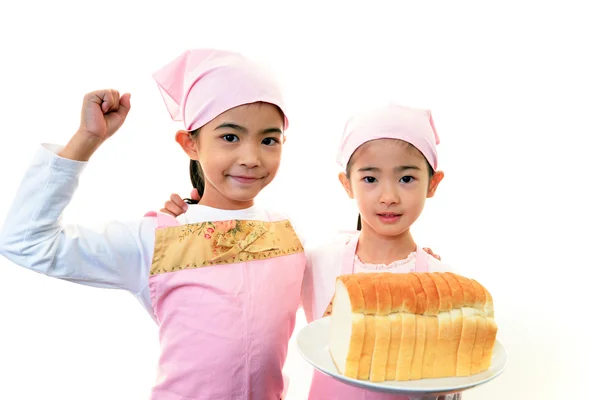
(412, 125)
(200, 84)
(324, 387)
(224, 330)
(163, 220)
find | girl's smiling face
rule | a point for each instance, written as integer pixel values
(390, 180)
(239, 152)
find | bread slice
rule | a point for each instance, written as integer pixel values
(347, 331)
(383, 328)
(395, 317)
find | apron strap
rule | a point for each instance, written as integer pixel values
(349, 254)
(347, 260)
(422, 261)
(163, 220)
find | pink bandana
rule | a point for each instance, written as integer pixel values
(412, 125)
(201, 84)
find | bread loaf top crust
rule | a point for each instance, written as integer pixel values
(415, 293)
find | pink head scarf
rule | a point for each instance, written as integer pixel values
(200, 84)
(411, 125)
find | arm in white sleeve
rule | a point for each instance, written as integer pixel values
(114, 256)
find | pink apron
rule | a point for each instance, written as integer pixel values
(324, 387)
(225, 296)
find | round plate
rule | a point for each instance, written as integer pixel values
(312, 342)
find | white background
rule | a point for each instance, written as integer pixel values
(514, 93)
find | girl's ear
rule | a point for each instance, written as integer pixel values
(346, 184)
(187, 143)
(434, 182)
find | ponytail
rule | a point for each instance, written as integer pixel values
(196, 174)
(197, 178)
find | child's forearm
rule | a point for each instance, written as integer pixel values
(81, 147)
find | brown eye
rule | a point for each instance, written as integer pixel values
(406, 179)
(230, 138)
(270, 141)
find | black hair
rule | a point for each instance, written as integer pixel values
(430, 171)
(196, 173)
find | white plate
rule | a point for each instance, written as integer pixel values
(312, 342)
